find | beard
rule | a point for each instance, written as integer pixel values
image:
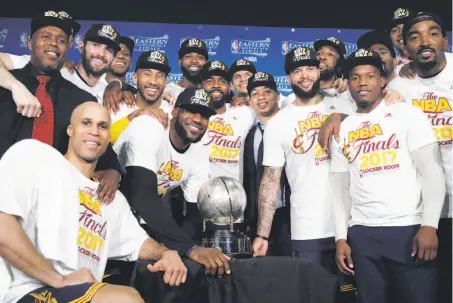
(191, 76)
(87, 67)
(141, 89)
(184, 134)
(327, 74)
(220, 102)
(307, 95)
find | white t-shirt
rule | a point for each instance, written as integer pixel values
(328, 92)
(225, 140)
(291, 140)
(100, 231)
(19, 61)
(435, 97)
(145, 143)
(75, 78)
(175, 88)
(126, 111)
(376, 149)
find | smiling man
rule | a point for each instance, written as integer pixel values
(290, 143)
(151, 71)
(158, 160)
(122, 61)
(63, 258)
(431, 90)
(387, 191)
(193, 54)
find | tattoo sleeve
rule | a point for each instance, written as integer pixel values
(267, 199)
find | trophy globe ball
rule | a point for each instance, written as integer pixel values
(221, 199)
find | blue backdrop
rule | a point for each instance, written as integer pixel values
(264, 46)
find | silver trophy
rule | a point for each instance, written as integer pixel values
(222, 202)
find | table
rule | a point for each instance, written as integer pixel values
(263, 280)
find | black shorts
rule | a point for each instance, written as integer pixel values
(81, 293)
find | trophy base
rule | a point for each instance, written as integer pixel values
(233, 244)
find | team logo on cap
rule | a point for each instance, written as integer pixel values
(194, 43)
(400, 13)
(363, 53)
(201, 97)
(334, 40)
(156, 57)
(243, 62)
(107, 31)
(217, 65)
(301, 53)
(59, 15)
(261, 76)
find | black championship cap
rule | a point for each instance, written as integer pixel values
(193, 45)
(241, 64)
(104, 34)
(153, 60)
(376, 37)
(130, 44)
(197, 100)
(261, 79)
(399, 16)
(214, 68)
(420, 17)
(58, 19)
(300, 56)
(364, 57)
(333, 42)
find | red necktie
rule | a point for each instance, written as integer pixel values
(44, 125)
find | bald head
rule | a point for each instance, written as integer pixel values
(89, 131)
(88, 109)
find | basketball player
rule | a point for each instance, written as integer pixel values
(151, 71)
(379, 41)
(425, 40)
(240, 71)
(395, 30)
(158, 160)
(290, 142)
(122, 61)
(264, 99)
(387, 158)
(193, 54)
(51, 202)
(228, 128)
(330, 52)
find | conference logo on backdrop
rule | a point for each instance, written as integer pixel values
(287, 46)
(212, 44)
(3, 34)
(143, 44)
(350, 48)
(78, 40)
(448, 49)
(283, 86)
(251, 47)
(172, 78)
(129, 78)
(251, 59)
(24, 39)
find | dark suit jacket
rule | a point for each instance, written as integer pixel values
(250, 182)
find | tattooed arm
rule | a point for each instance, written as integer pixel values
(267, 199)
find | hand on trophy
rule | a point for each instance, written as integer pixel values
(212, 259)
